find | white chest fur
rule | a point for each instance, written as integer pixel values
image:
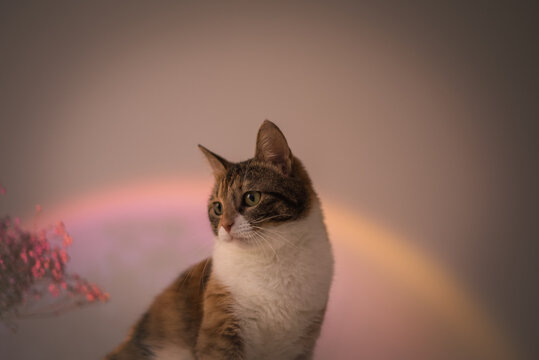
(278, 286)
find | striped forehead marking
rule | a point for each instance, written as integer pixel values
(232, 182)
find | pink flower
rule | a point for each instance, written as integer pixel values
(67, 240)
(60, 228)
(63, 256)
(95, 289)
(56, 275)
(53, 289)
(26, 256)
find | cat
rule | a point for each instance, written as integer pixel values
(264, 291)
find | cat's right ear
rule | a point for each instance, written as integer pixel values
(217, 163)
(271, 146)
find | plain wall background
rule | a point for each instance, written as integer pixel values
(420, 115)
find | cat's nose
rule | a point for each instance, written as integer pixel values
(228, 226)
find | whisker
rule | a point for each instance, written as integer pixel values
(256, 239)
(269, 244)
(278, 234)
(259, 220)
(203, 272)
(257, 242)
(185, 278)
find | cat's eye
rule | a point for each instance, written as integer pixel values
(251, 198)
(218, 208)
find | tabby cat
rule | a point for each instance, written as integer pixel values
(263, 293)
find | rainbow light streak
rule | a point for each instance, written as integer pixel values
(350, 232)
(421, 275)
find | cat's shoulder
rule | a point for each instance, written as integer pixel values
(193, 280)
(173, 318)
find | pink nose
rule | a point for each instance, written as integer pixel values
(228, 226)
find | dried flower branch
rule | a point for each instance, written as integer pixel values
(33, 277)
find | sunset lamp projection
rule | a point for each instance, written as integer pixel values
(127, 239)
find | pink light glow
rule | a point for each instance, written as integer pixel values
(388, 299)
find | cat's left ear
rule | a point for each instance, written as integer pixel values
(217, 163)
(271, 146)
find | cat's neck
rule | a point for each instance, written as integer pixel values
(300, 247)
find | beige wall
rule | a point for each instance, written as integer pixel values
(417, 116)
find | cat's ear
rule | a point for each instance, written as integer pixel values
(271, 146)
(217, 163)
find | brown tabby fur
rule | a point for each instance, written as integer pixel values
(177, 317)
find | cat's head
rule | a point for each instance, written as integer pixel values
(252, 196)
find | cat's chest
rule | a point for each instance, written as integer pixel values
(288, 277)
(277, 295)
